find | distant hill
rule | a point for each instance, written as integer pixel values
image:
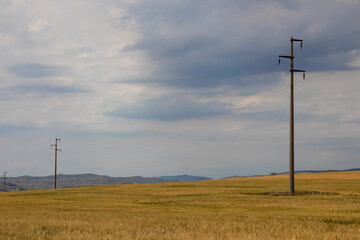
(183, 178)
(320, 171)
(83, 180)
(300, 171)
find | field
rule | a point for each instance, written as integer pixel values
(327, 207)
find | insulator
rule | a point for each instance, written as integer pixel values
(303, 76)
(301, 45)
(279, 61)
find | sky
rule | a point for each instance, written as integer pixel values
(153, 88)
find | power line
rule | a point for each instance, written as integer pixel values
(332, 39)
(222, 117)
(201, 107)
(204, 125)
(210, 102)
(333, 50)
(218, 98)
(228, 93)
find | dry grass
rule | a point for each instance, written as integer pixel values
(219, 209)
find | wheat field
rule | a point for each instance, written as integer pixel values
(327, 207)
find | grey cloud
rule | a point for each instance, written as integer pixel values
(168, 108)
(339, 143)
(32, 70)
(169, 48)
(9, 129)
(202, 62)
(265, 116)
(202, 59)
(6, 3)
(230, 51)
(187, 10)
(330, 56)
(283, 116)
(39, 89)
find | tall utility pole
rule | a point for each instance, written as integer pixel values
(56, 150)
(291, 152)
(5, 181)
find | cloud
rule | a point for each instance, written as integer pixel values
(266, 116)
(201, 62)
(5, 40)
(210, 45)
(6, 129)
(168, 108)
(38, 25)
(34, 70)
(43, 90)
(171, 57)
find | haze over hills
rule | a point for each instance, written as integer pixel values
(82, 180)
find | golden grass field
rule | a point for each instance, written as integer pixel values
(216, 209)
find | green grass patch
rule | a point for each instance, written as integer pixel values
(182, 186)
(355, 221)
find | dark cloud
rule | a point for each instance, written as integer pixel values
(329, 56)
(203, 63)
(31, 70)
(39, 89)
(199, 58)
(225, 50)
(169, 108)
(170, 48)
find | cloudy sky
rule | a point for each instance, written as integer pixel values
(159, 87)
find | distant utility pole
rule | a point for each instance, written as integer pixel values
(291, 153)
(56, 150)
(5, 181)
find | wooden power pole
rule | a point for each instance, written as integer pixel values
(291, 152)
(5, 181)
(56, 150)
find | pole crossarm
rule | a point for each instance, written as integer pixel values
(296, 40)
(282, 56)
(291, 57)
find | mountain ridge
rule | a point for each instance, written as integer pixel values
(27, 182)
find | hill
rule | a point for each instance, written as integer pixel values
(299, 171)
(184, 178)
(83, 180)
